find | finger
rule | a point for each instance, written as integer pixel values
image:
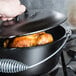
(17, 1)
(4, 19)
(21, 9)
(0, 15)
(9, 18)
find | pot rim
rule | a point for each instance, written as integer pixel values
(41, 45)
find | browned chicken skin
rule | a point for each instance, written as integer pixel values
(44, 39)
(30, 40)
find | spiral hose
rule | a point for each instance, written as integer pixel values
(11, 66)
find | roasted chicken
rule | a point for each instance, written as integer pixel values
(30, 40)
(44, 39)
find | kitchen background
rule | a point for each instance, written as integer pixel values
(68, 7)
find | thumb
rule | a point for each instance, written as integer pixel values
(22, 9)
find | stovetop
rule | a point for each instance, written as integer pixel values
(61, 73)
(66, 67)
(67, 62)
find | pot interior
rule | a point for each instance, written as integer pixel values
(33, 55)
(57, 32)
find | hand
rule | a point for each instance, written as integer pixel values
(10, 9)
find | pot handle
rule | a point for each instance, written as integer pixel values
(72, 37)
(11, 66)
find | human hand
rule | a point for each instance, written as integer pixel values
(10, 9)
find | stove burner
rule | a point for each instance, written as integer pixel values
(59, 72)
(72, 66)
(72, 48)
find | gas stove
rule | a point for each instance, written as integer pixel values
(67, 62)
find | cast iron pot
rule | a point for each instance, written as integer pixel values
(36, 60)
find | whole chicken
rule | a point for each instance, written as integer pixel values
(29, 40)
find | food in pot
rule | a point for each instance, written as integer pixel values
(44, 39)
(30, 40)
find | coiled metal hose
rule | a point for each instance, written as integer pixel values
(11, 66)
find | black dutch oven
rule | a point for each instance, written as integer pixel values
(35, 60)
